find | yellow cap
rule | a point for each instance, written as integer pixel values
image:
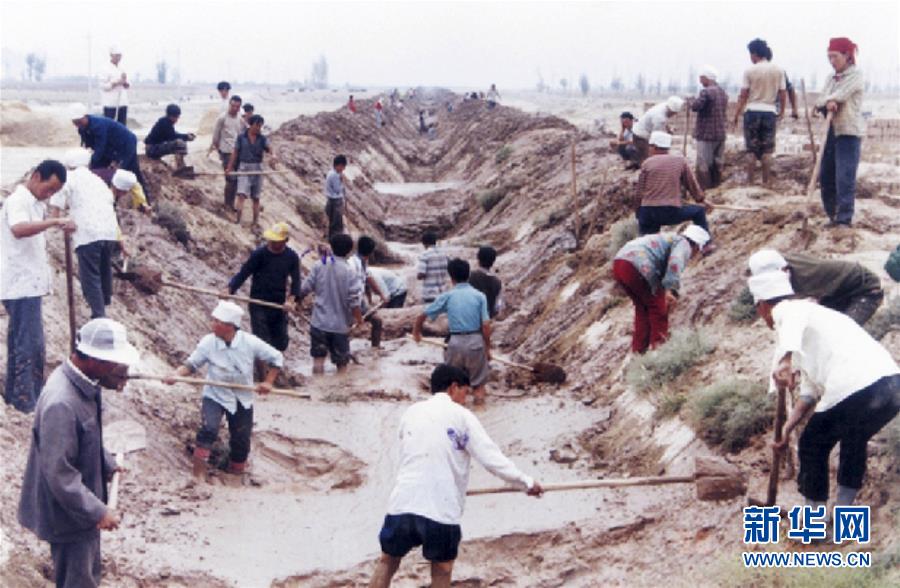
(278, 232)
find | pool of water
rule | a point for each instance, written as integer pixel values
(414, 188)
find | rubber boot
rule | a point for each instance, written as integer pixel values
(766, 169)
(237, 467)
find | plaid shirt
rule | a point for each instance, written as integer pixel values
(711, 106)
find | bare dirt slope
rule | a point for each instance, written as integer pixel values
(309, 512)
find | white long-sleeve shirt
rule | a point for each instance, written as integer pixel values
(110, 94)
(90, 204)
(437, 439)
(835, 356)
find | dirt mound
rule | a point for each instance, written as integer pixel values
(22, 127)
(305, 464)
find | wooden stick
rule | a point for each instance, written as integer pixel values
(736, 208)
(521, 366)
(811, 187)
(780, 413)
(70, 289)
(245, 173)
(114, 484)
(586, 484)
(211, 292)
(202, 382)
(575, 198)
(809, 129)
(687, 127)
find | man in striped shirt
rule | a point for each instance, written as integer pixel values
(663, 176)
(432, 268)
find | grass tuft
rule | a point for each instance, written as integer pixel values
(503, 154)
(664, 364)
(730, 413)
(491, 198)
(742, 309)
(621, 232)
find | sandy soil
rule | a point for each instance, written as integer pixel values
(308, 512)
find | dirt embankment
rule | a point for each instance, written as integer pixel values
(321, 471)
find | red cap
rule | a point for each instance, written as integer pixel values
(842, 45)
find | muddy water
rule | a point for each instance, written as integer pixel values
(412, 189)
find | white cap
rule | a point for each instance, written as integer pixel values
(708, 71)
(106, 340)
(123, 179)
(674, 103)
(114, 50)
(77, 158)
(228, 312)
(661, 139)
(697, 234)
(769, 285)
(766, 260)
(76, 111)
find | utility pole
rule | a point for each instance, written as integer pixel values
(90, 82)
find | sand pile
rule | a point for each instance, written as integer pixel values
(22, 127)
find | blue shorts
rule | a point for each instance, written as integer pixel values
(402, 532)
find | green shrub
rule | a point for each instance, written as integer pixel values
(742, 308)
(313, 215)
(503, 154)
(730, 413)
(168, 216)
(670, 405)
(684, 349)
(491, 198)
(885, 320)
(553, 218)
(621, 232)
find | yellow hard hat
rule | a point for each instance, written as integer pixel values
(277, 232)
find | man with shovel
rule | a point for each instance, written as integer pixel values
(438, 438)
(848, 382)
(230, 355)
(25, 279)
(64, 491)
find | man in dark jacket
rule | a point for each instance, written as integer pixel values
(113, 146)
(270, 265)
(163, 139)
(485, 281)
(63, 497)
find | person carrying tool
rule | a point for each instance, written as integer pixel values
(247, 156)
(230, 355)
(432, 268)
(655, 119)
(338, 292)
(711, 106)
(466, 308)
(438, 439)
(359, 263)
(842, 96)
(270, 266)
(649, 269)
(663, 177)
(97, 235)
(63, 499)
(335, 196)
(227, 129)
(624, 144)
(114, 146)
(848, 382)
(163, 139)
(25, 279)
(486, 281)
(763, 86)
(391, 284)
(844, 286)
(114, 88)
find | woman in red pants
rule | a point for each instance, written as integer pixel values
(649, 269)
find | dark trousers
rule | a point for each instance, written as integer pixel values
(158, 150)
(651, 315)
(77, 564)
(110, 112)
(628, 152)
(334, 212)
(396, 301)
(860, 308)
(643, 148)
(852, 422)
(377, 327)
(240, 426)
(270, 325)
(95, 273)
(25, 353)
(230, 182)
(652, 218)
(840, 158)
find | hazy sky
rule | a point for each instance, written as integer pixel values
(459, 44)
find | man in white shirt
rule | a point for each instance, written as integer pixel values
(392, 284)
(114, 88)
(438, 437)
(90, 203)
(655, 119)
(25, 279)
(847, 380)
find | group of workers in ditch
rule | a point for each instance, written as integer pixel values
(816, 307)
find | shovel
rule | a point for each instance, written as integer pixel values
(715, 480)
(190, 174)
(772, 493)
(203, 382)
(540, 371)
(811, 187)
(122, 437)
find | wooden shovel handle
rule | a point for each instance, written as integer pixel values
(114, 484)
(521, 366)
(780, 416)
(212, 292)
(203, 382)
(811, 187)
(736, 208)
(586, 484)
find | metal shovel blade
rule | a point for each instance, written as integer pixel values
(124, 436)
